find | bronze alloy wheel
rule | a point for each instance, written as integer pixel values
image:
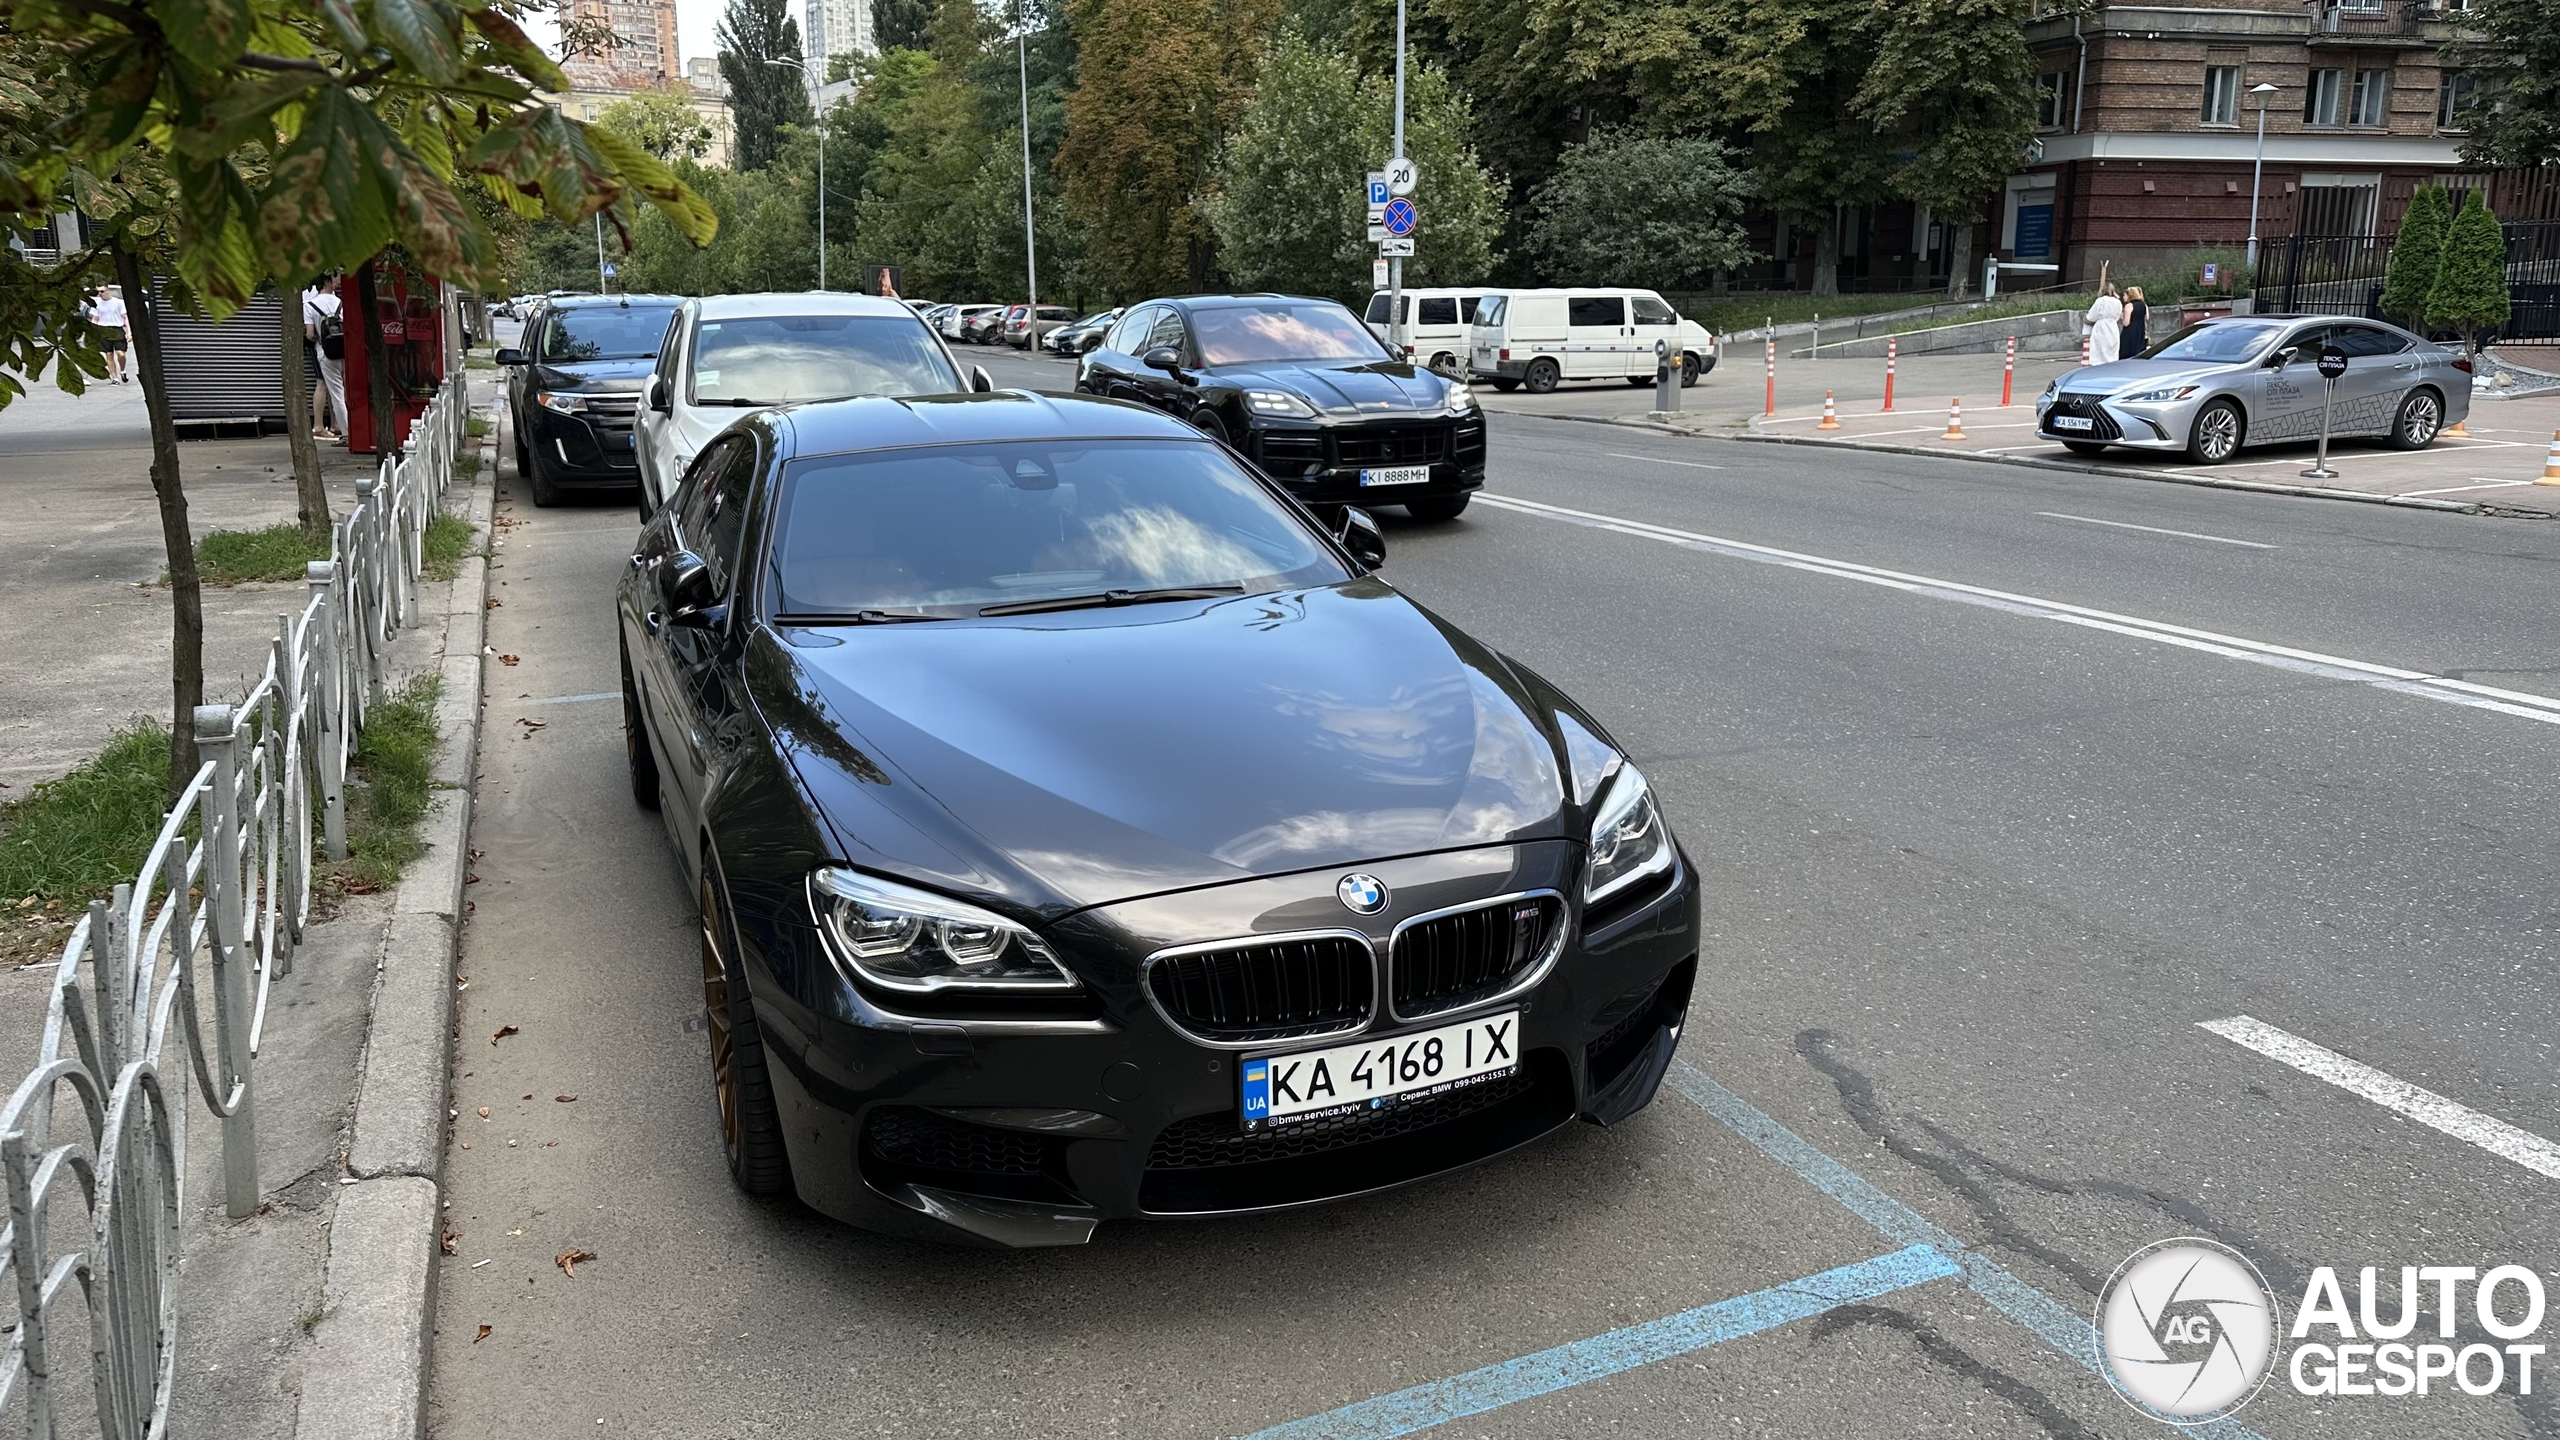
(750, 1129)
(2420, 420)
(715, 1010)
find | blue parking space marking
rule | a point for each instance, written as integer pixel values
(2057, 1326)
(1580, 1362)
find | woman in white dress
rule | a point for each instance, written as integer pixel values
(2105, 321)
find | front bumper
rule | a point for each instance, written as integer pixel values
(594, 447)
(2136, 427)
(1025, 1133)
(1323, 464)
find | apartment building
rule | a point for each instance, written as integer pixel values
(2148, 126)
(642, 53)
(837, 27)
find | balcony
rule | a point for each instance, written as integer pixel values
(2384, 24)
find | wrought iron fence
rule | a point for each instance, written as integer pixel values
(227, 886)
(2343, 275)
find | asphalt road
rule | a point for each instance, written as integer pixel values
(1977, 866)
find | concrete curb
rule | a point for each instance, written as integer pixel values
(378, 1314)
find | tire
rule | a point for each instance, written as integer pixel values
(1690, 370)
(2085, 447)
(1439, 509)
(1639, 379)
(1208, 423)
(1444, 363)
(636, 750)
(2420, 421)
(750, 1126)
(1505, 384)
(2219, 431)
(544, 491)
(524, 457)
(1543, 376)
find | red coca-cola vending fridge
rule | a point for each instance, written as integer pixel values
(412, 340)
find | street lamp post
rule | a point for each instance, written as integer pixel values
(805, 78)
(1030, 251)
(2257, 174)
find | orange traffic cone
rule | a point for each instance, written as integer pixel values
(2551, 462)
(1830, 415)
(2454, 431)
(1955, 419)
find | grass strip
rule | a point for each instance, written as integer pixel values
(448, 545)
(238, 557)
(75, 839)
(389, 787)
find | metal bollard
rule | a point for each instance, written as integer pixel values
(1666, 380)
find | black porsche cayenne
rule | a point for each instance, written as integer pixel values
(1081, 831)
(1302, 389)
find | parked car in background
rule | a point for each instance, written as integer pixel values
(729, 354)
(2222, 384)
(1080, 834)
(1432, 327)
(1020, 328)
(1541, 338)
(983, 327)
(1301, 388)
(573, 383)
(1078, 336)
(959, 316)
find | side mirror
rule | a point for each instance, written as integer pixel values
(510, 356)
(2280, 359)
(1359, 534)
(980, 381)
(690, 595)
(1163, 357)
(658, 400)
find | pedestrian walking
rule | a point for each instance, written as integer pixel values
(106, 315)
(2137, 319)
(324, 329)
(2104, 323)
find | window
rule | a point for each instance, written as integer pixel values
(2226, 341)
(1440, 310)
(2222, 95)
(2362, 340)
(591, 112)
(2320, 99)
(1489, 310)
(2455, 93)
(1283, 330)
(713, 513)
(1467, 309)
(618, 332)
(1650, 311)
(2372, 98)
(2050, 89)
(1128, 336)
(1166, 333)
(1596, 310)
(778, 359)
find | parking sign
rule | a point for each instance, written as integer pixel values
(1378, 188)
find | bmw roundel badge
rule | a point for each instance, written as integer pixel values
(1362, 894)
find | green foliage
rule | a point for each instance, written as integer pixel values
(392, 775)
(2514, 57)
(448, 542)
(2470, 293)
(900, 24)
(764, 96)
(662, 122)
(2415, 255)
(238, 557)
(1630, 209)
(75, 839)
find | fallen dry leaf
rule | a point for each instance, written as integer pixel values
(510, 659)
(528, 1097)
(566, 1099)
(452, 1237)
(503, 1032)
(495, 602)
(484, 1112)
(568, 1260)
(483, 1335)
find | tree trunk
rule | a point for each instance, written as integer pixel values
(186, 594)
(377, 364)
(1826, 256)
(312, 510)
(1959, 257)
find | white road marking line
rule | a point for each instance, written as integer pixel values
(2424, 1106)
(2521, 704)
(2483, 485)
(1658, 460)
(2153, 529)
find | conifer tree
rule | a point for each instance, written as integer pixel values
(2470, 293)
(2415, 256)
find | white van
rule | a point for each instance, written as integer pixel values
(1540, 338)
(1433, 328)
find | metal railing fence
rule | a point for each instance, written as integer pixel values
(2344, 274)
(227, 885)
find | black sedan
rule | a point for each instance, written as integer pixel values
(1082, 832)
(1306, 392)
(573, 389)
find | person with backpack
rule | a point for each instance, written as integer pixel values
(105, 312)
(324, 325)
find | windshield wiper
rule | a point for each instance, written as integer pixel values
(856, 617)
(741, 404)
(1102, 598)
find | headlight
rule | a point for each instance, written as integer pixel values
(561, 404)
(2154, 397)
(901, 938)
(1279, 402)
(1462, 401)
(1628, 838)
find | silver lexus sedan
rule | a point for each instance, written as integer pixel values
(2223, 383)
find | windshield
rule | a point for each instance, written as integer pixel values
(1281, 330)
(607, 333)
(776, 359)
(949, 529)
(2225, 341)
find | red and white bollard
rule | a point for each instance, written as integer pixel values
(1955, 419)
(1770, 405)
(2084, 352)
(1888, 374)
(2551, 462)
(2008, 371)
(1830, 414)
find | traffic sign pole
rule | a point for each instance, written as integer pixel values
(1395, 265)
(2333, 363)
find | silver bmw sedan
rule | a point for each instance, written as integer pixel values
(2223, 383)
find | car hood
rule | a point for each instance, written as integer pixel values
(1347, 391)
(2136, 374)
(605, 376)
(1085, 757)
